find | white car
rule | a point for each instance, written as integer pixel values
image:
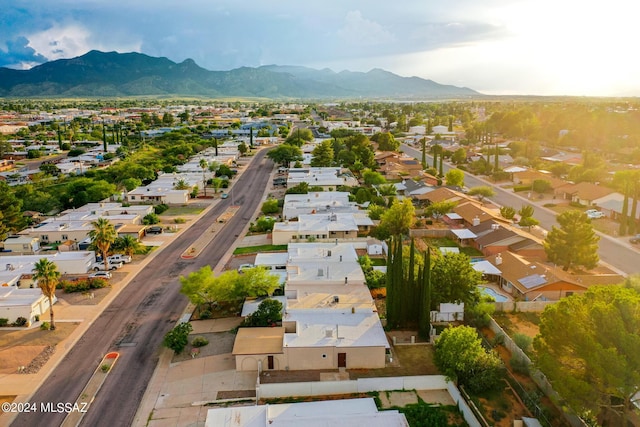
(100, 275)
(100, 266)
(115, 258)
(594, 214)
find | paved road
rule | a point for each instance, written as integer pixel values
(617, 254)
(137, 320)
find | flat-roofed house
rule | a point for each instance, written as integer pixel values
(321, 226)
(315, 339)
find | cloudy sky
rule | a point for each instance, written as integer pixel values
(531, 47)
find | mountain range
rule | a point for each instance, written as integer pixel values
(113, 74)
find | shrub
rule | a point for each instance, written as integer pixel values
(199, 342)
(576, 205)
(161, 208)
(84, 285)
(519, 366)
(150, 219)
(37, 317)
(179, 220)
(3, 321)
(178, 338)
(523, 341)
(45, 326)
(270, 207)
(518, 188)
(549, 205)
(20, 321)
(205, 314)
(105, 368)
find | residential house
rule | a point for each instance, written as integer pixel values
(584, 193)
(21, 245)
(612, 205)
(473, 214)
(314, 339)
(327, 178)
(496, 237)
(317, 202)
(442, 194)
(531, 280)
(397, 168)
(354, 412)
(332, 226)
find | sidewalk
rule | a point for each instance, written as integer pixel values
(175, 387)
(23, 386)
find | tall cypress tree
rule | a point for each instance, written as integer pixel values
(435, 155)
(424, 322)
(441, 171)
(251, 137)
(104, 137)
(497, 162)
(424, 153)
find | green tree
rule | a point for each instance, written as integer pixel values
(267, 314)
(574, 244)
(181, 184)
(127, 244)
(460, 356)
(204, 165)
(178, 338)
(322, 154)
(285, 154)
(150, 219)
(386, 142)
(372, 178)
(455, 178)
(541, 186)
(441, 208)
(131, 183)
(46, 273)
(454, 280)
(11, 219)
(270, 206)
(243, 148)
(595, 363)
(299, 137)
(528, 221)
(481, 192)
(507, 212)
(102, 237)
(399, 218)
(459, 156)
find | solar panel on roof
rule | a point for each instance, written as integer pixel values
(532, 281)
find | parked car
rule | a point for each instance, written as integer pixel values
(245, 267)
(125, 259)
(635, 239)
(594, 214)
(100, 275)
(100, 266)
(154, 230)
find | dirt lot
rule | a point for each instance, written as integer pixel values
(22, 348)
(93, 297)
(524, 323)
(219, 343)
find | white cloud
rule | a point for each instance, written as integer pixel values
(360, 31)
(73, 40)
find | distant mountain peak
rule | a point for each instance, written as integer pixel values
(104, 74)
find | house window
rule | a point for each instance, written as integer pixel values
(25, 247)
(65, 237)
(133, 197)
(44, 238)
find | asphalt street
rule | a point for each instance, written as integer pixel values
(135, 323)
(617, 254)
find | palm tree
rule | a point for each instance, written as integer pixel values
(48, 276)
(204, 165)
(181, 185)
(102, 236)
(127, 244)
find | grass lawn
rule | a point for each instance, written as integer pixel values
(260, 248)
(182, 210)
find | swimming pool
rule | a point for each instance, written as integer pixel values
(496, 296)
